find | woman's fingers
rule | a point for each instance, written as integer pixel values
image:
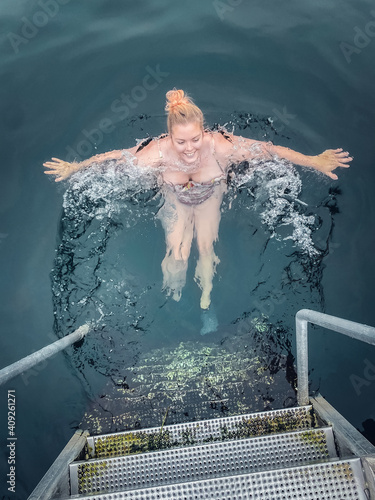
(332, 176)
(338, 158)
(344, 156)
(52, 165)
(334, 158)
(343, 160)
(55, 162)
(57, 167)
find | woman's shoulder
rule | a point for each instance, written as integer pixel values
(148, 152)
(223, 141)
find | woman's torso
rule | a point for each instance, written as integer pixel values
(192, 183)
(205, 170)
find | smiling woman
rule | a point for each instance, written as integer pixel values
(91, 250)
(193, 165)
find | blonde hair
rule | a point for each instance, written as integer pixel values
(181, 109)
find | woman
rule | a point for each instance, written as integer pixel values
(193, 164)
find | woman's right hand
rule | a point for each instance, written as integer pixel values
(60, 168)
(331, 159)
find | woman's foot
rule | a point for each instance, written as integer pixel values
(209, 322)
(205, 300)
(176, 295)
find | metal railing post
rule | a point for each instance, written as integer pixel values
(302, 361)
(24, 364)
(354, 330)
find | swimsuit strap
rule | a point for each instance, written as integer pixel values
(147, 141)
(213, 143)
(213, 151)
(160, 153)
(143, 144)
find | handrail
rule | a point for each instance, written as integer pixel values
(28, 362)
(350, 328)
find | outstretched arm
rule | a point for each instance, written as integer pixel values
(64, 169)
(326, 162)
(239, 149)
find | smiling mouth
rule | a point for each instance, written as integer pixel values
(190, 154)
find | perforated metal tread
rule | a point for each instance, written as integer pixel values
(202, 462)
(331, 480)
(220, 429)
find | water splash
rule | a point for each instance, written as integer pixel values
(274, 186)
(94, 278)
(100, 202)
(103, 190)
(105, 199)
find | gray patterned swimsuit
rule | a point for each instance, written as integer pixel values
(195, 193)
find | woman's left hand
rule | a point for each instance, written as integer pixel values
(60, 168)
(330, 159)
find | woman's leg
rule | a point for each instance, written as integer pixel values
(207, 219)
(177, 221)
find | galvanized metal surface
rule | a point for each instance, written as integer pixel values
(56, 480)
(202, 462)
(28, 362)
(303, 317)
(240, 426)
(330, 480)
(349, 439)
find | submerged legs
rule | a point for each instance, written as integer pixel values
(181, 222)
(204, 273)
(207, 219)
(178, 221)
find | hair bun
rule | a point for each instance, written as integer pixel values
(175, 98)
(181, 109)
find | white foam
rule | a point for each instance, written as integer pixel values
(274, 187)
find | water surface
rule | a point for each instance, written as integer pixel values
(273, 72)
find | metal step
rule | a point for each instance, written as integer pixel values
(330, 480)
(202, 462)
(189, 433)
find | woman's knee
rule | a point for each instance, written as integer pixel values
(179, 252)
(205, 247)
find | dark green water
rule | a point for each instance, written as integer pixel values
(64, 70)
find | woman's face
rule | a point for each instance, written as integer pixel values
(187, 141)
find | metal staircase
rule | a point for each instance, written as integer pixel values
(307, 452)
(279, 454)
(248, 456)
